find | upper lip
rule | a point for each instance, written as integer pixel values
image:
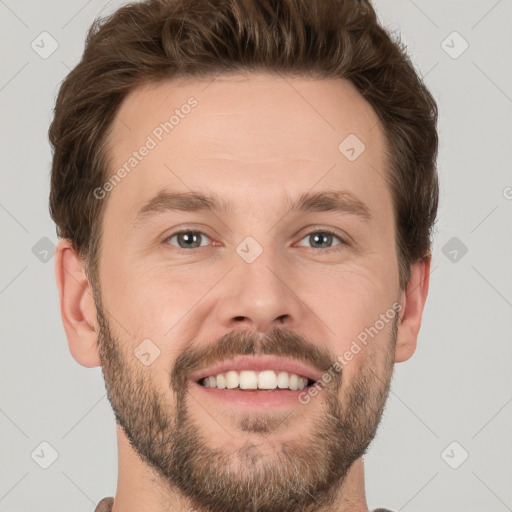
(258, 364)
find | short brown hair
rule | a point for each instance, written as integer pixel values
(162, 39)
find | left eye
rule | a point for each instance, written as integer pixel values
(188, 239)
(323, 238)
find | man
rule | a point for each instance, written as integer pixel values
(245, 192)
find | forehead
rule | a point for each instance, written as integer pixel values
(257, 132)
(258, 105)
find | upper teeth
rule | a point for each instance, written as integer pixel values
(248, 379)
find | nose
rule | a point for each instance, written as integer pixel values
(259, 295)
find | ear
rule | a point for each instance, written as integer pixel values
(77, 307)
(413, 301)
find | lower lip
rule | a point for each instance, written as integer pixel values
(254, 398)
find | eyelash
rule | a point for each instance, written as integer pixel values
(317, 231)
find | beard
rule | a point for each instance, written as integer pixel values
(263, 474)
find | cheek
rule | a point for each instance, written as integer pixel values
(350, 299)
(145, 300)
(156, 308)
(371, 352)
(356, 305)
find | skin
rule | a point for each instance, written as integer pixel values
(256, 140)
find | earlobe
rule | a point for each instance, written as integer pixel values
(77, 307)
(413, 301)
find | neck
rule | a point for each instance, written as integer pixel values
(140, 487)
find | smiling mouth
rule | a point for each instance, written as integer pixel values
(249, 380)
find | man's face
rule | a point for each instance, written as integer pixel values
(298, 286)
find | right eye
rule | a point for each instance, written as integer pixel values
(187, 239)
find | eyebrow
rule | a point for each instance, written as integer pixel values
(343, 202)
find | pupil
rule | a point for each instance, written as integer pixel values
(323, 236)
(188, 237)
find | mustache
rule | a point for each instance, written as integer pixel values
(277, 342)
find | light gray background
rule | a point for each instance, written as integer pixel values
(457, 387)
